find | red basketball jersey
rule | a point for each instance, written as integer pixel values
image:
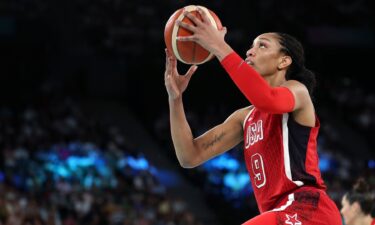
(281, 156)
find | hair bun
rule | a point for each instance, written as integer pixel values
(361, 186)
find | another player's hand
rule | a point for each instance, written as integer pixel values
(175, 83)
(208, 36)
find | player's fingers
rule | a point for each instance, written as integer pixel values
(166, 52)
(203, 14)
(186, 26)
(169, 54)
(168, 64)
(186, 38)
(166, 58)
(193, 18)
(173, 62)
(191, 71)
(168, 70)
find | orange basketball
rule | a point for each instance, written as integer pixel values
(188, 52)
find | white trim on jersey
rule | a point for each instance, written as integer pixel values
(285, 134)
(247, 117)
(288, 203)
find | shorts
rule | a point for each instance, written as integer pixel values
(307, 206)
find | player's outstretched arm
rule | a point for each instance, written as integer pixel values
(192, 152)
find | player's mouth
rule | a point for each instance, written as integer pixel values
(249, 62)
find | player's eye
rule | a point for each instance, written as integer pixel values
(262, 45)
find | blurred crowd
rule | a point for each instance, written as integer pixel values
(354, 98)
(60, 166)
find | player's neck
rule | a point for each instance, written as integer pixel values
(276, 79)
(364, 220)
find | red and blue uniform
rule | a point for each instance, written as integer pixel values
(281, 155)
(282, 161)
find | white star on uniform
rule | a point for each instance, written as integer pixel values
(292, 220)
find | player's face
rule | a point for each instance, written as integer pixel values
(348, 211)
(264, 55)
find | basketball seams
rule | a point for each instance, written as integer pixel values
(174, 38)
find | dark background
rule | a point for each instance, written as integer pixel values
(114, 49)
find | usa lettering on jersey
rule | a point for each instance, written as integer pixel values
(254, 133)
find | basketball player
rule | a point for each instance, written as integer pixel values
(279, 129)
(358, 204)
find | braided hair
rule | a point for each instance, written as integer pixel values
(290, 46)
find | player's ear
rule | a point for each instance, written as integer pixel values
(356, 207)
(284, 62)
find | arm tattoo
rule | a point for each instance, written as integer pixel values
(211, 143)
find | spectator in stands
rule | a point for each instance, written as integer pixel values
(358, 205)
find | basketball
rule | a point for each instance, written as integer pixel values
(188, 52)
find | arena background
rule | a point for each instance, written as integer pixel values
(84, 112)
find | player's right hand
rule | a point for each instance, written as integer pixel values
(175, 83)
